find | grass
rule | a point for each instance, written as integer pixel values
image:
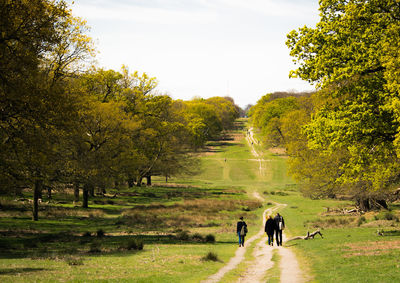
(162, 233)
(273, 274)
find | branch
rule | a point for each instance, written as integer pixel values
(308, 236)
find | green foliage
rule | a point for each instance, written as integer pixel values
(267, 115)
(65, 123)
(350, 140)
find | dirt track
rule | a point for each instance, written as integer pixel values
(262, 253)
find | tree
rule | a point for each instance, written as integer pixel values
(35, 110)
(266, 115)
(346, 55)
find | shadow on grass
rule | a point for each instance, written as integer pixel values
(33, 245)
(391, 233)
(13, 271)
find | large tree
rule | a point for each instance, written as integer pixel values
(40, 44)
(352, 55)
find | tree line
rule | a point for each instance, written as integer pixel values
(67, 122)
(343, 140)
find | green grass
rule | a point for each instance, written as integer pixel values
(273, 274)
(55, 248)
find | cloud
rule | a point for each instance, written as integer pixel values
(279, 8)
(170, 12)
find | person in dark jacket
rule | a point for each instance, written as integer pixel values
(280, 225)
(270, 227)
(241, 231)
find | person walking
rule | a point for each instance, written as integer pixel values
(241, 231)
(280, 225)
(270, 227)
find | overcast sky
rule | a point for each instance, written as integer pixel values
(201, 47)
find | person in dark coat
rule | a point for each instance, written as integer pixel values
(270, 227)
(280, 225)
(241, 231)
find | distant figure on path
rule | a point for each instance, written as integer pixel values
(241, 231)
(270, 227)
(280, 225)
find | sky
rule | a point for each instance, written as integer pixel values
(201, 48)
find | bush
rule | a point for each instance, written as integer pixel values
(134, 244)
(210, 238)
(386, 216)
(390, 216)
(211, 257)
(183, 236)
(198, 237)
(73, 261)
(361, 220)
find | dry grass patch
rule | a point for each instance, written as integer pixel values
(189, 213)
(371, 248)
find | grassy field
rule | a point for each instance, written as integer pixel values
(164, 232)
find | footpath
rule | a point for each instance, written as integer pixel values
(262, 253)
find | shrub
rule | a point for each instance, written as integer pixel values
(210, 238)
(266, 193)
(134, 244)
(198, 237)
(361, 220)
(73, 261)
(183, 236)
(211, 257)
(390, 216)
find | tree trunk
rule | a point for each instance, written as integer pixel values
(148, 178)
(131, 182)
(49, 192)
(85, 196)
(40, 192)
(368, 203)
(139, 182)
(91, 191)
(36, 193)
(76, 193)
(166, 179)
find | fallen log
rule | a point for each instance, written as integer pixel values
(308, 236)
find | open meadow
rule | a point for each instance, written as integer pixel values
(183, 230)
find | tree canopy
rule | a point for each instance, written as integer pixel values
(66, 122)
(351, 55)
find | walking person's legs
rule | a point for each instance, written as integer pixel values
(280, 237)
(277, 237)
(240, 239)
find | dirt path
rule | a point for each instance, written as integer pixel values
(290, 271)
(262, 252)
(262, 255)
